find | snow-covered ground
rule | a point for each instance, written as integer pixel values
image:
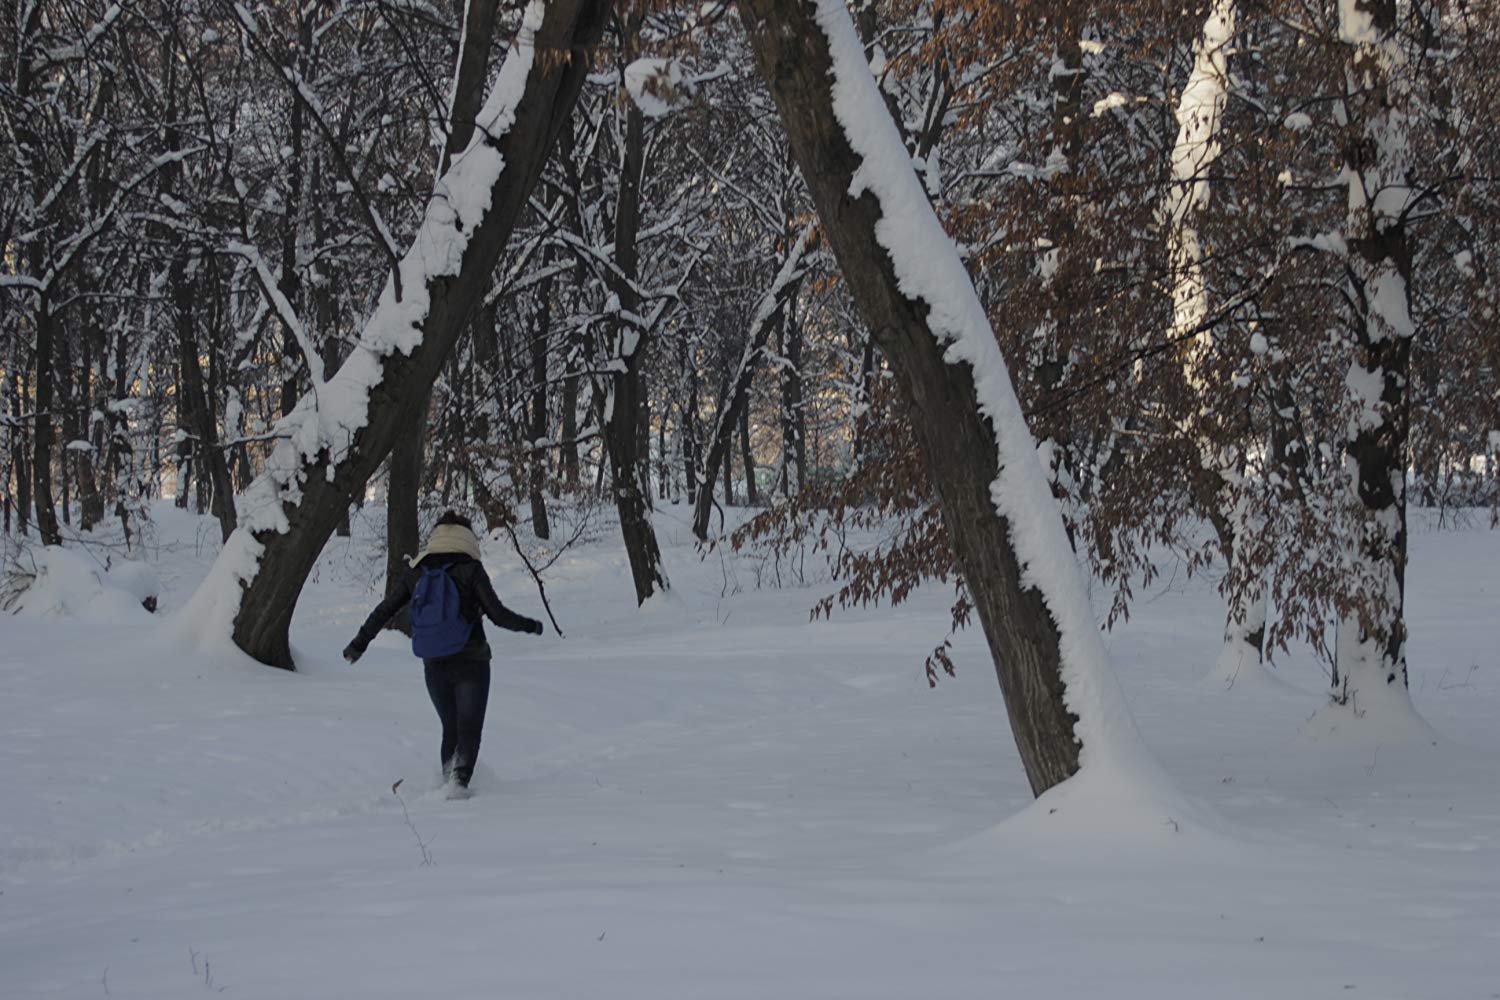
(713, 797)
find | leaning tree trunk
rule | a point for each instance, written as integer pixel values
(1370, 662)
(342, 430)
(914, 294)
(404, 471)
(737, 399)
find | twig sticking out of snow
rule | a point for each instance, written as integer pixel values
(421, 844)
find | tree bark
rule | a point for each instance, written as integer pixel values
(19, 459)
(90, 497)
(1370, 662)
(469, 74)
(41, 458)
(28, 144)
(1243, 649)
(747, 457)
(688, 434)
(793, 415)
(728, 478)
(570, 428)
(958, 442)
(68, 408)
(194, 401)
(1219, 482)
(538, 429)
(277, 550)
(403, 486)
(629, 455)
(404, 472)
(865, 398)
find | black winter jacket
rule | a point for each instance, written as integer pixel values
(476, 600)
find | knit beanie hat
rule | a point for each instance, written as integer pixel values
(446, 538)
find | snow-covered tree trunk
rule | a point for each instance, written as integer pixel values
(1051, 353)
(1243, 652)
(404, 475)
(343, 428)
(1199, 115)
(1200, 110)
(1244, 635)
(1370, 659)
(1065, 707)
(626, 439)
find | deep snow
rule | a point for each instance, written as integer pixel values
(713, 797)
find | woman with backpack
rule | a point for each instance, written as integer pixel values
(448, 592)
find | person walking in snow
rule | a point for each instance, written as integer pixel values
(448, 592)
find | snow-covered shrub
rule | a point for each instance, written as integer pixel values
(42, 582)
(137, 579)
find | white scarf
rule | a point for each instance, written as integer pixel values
(447, 538)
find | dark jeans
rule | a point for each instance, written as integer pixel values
(460, 690)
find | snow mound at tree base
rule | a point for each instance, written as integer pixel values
(58, 582)
(1239, 668)
(1120, 803)
(206, 621)
(1386, 720)
(1100, 812)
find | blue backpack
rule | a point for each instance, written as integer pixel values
(437, 627)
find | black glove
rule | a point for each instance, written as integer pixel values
(352, 652)
(536, 627)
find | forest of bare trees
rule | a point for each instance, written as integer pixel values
(1216, 280)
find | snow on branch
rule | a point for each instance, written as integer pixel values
(284, 309)
(99, 223)
(321, 429)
